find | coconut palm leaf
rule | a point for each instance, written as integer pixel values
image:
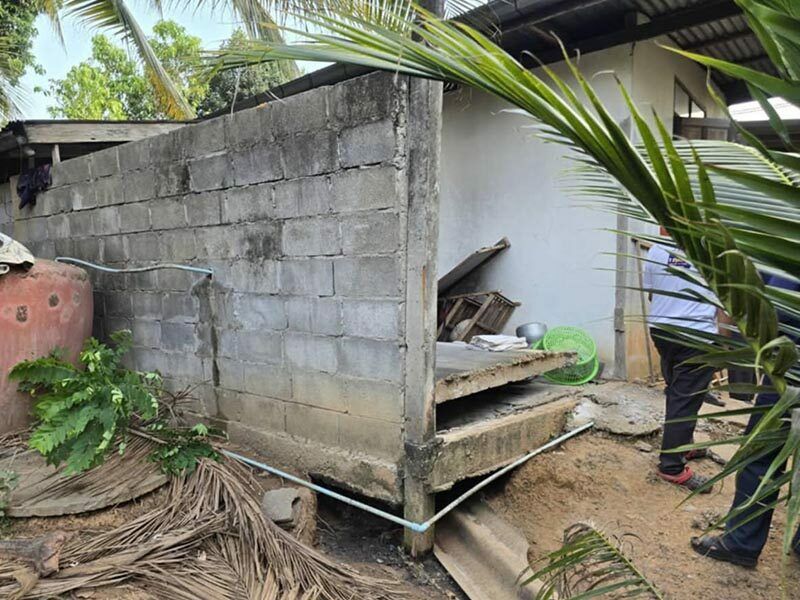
(589, 564)
(117, 17)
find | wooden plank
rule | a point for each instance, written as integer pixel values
(469, 264)
(492, 443)
(67, 132)
(461, 371)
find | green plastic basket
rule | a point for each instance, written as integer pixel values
(571, 339)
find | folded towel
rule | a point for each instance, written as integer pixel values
(498, 343)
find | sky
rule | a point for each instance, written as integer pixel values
(212, 28)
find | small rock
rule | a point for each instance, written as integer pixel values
(278, 505)
(643, 446)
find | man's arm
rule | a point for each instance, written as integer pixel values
(725, 324)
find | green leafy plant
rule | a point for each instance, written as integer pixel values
(85, 413)
(182, 448)
(590, 564)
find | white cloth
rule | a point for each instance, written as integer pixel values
(668, 310)
(498, 343)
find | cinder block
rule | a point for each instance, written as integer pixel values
(144, 247)
(371, 436)
(168, 213)
(371, 318)
(369, 276)
(150, 359)
(314, 315)
(367, 144)
(147, 305)
(104, 162)
(257, 311)
(58, 226)
(57, 200)
(245, 127)
(71, 171)
(139, 185)
(36, 229)
(267, 380)
(312, 423)
(258, 412)
(310, 154)
(365, 189)
(259, 346)
(114, 249)
(367, 98)
(179, 337)
(376, 399)
(134, 155)
(105, 221)
(313, 236)
(83, 196)
(147, 334)
(231, 374)
(304, 112)
(226, 343)
(134, 217)
(371, 233)
(164, 148)
(87, 249)
(257, 241)
(260, 278)
(303, 197)
(80, 223)
(172, 178)
(251, 203)
(203, 209)
(179, 245)
(258, 164)
(217, 242)
(312, 277)
(180, 307)
(319, 389)
(63, 247)
(118, 304)
(372, 359)
(210, 173)
(307, 351)
(146, 281)
(176, 280)
(205, 137)
(184, 365)
(109, 190)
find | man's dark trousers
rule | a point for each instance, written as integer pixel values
(686, 387)
(748, 538)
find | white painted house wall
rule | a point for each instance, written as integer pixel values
(499, 181)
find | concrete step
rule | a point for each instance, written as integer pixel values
(483, 553)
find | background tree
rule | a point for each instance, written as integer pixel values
(239, 83)
(114, 85)
(17, 31)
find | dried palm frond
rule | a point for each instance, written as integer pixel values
(209, 539)
(589, 564)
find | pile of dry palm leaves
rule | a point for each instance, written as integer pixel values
(209, 539)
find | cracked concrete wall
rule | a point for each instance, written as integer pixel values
(300, 207)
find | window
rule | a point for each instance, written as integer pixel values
(687, 107)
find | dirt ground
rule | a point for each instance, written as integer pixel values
(611, 483)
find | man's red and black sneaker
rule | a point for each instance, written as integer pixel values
(688, 479)
(697, 454)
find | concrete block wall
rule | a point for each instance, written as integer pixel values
(300, 207)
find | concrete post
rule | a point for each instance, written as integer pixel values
(424, 146)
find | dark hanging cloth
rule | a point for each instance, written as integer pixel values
(31, 182)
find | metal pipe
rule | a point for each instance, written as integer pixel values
(68, 259)
(413, 526)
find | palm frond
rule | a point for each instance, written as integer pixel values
(117, 17)
(589, 564)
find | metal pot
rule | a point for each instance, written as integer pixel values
(532, 332)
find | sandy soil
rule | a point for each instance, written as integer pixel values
(611, 483)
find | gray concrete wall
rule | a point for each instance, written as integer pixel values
(300, 207)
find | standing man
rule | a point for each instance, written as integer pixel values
(746, 534)
(686, 384)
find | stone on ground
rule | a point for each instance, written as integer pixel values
(621, 408)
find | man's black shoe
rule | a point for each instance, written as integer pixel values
(714, 547)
